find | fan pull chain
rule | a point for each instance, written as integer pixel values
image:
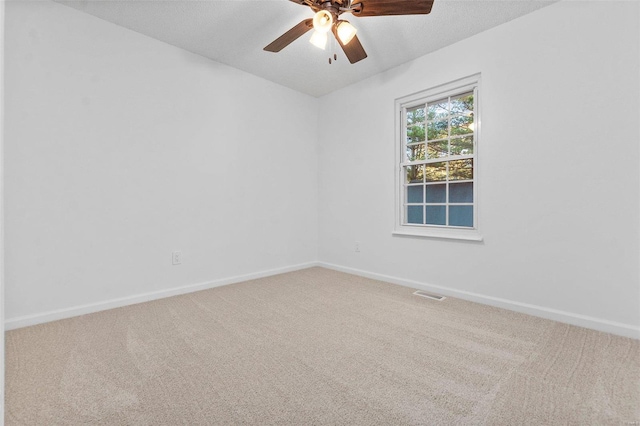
(333, 47)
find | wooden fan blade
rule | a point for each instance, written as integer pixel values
(285, 39)
(354, 50)
(395, 7)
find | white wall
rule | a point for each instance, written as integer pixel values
(558, 169)
(1, 212)
(121, 149)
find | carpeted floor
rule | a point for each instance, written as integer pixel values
(317, 347)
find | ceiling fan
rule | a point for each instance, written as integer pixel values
(326, 18)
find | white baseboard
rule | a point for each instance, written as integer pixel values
(27, 320)
(612, 327)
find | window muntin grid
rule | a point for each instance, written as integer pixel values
(439, 146)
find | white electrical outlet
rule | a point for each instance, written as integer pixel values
(357, 249)
(176, 258)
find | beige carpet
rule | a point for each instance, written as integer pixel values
(317, 347)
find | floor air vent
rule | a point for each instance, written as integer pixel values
(428, 295)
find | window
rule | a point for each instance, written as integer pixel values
(437, 161)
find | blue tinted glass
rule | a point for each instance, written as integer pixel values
(414, 214)
(461, 216)
(414, 194)
(436, 215)
(461, 192)
(436, 193)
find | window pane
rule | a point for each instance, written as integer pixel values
(438, 160)
(461, 125)
(461, 169)
(462, 104)
(415, 152)
(462, 146)
(437, 130)
(414, 173)
(436, 215)
(436, 172)
(459, 192)
(437, 149)
(414, 194)
(438, 109)
(460, 215)
(415, 115)
(415, 133)
(414, 214)
(436, 193)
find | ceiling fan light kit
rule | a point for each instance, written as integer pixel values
(346, 31)
(319, 39)
(323, 21)
(326, 18)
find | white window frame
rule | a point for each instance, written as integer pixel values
(466, 84)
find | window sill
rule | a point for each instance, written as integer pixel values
(444, 233)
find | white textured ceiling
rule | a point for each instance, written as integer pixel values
(234, 32)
